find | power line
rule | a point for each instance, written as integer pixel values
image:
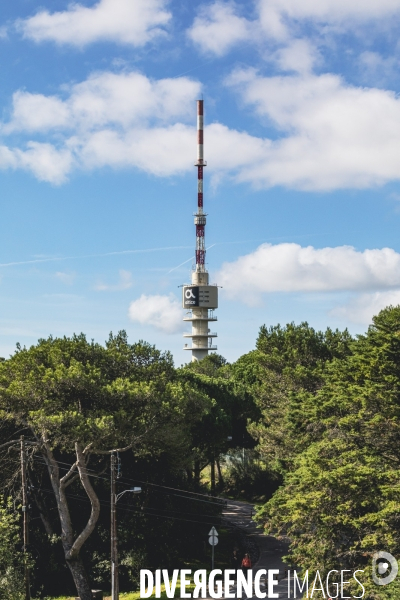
(137, 511)
(126, 480)
(149, 508)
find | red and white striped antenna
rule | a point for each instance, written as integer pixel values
(200, 216)
(200, 298)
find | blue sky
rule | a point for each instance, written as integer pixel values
(98, 185)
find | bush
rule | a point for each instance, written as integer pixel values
(11, 557)
(249, 478)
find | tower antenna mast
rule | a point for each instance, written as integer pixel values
(200, 297)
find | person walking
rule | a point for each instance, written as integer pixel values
(246, 563)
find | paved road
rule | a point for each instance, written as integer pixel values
(270, 549)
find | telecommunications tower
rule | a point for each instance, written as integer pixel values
(200, 298)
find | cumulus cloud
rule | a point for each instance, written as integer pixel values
(330, 134)
(292, 268)
(362, 308)
(276, 16)
(217, 28)
(109, 119)
(133, 22)
(162, 312)
(299, 55)
(45, 161)
(125, 282)
(105, 99)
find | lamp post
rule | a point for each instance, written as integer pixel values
(114, 539)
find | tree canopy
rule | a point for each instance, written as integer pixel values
(308, 423)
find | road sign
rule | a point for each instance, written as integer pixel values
(213, 540)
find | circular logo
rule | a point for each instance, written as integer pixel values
(189, 294)
(381, 561)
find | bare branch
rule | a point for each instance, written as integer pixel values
(95, 512)
(87, 448)
(71, 480)
(64, 479)
(59, 492)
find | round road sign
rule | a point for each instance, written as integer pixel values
(213, 540)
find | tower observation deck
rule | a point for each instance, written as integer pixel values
(200, 298)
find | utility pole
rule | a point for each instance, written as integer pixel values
(114, 541)
(25, 518)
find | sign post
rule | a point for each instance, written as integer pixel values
(213, 541)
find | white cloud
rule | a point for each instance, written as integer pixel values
(45, 161)
(110, 119)
(133, 22)
(299, 55)
(217, 28)
(125, 282)
(331, 134)
(162, 312)
(380, 69)
(36, 112)
(362, 308)
(105, 98)
(275, 14)
(162, 151)
(291, 268)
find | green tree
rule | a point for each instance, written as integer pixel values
(340, 503)
(286, 369)
(223, 424)
(78, 401)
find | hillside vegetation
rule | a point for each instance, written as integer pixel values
(306, 424)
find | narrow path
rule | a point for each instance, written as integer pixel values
(270, 549)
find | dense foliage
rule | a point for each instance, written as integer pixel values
(77, 401)
(11, 558)
(339, 502)
(308, 424)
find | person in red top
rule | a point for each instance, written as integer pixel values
(246, 563)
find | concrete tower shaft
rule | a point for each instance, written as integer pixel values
(199, 297)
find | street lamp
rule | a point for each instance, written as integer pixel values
(114, 540)
(134, 490)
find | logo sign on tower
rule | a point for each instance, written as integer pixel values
(204, 296)
(190, 296)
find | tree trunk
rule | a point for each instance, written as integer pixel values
(189, 474)
(212, 465)
(197, 474)
(73, 546)
(44, 515)
(80, 578)
(220, 477)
